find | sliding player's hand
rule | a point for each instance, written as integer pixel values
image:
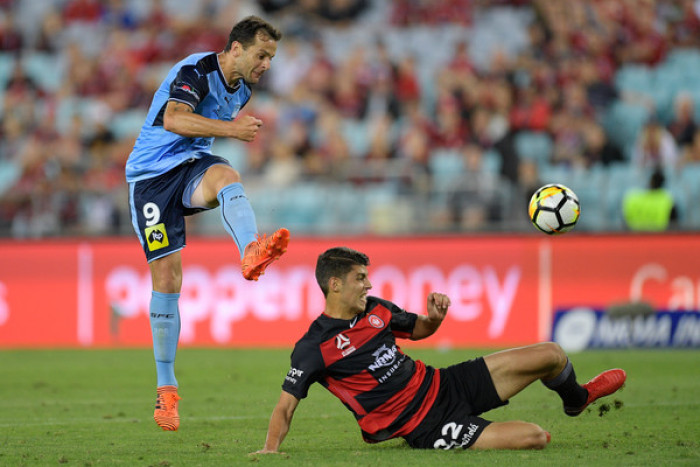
(437, 306)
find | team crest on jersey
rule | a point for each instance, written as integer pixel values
(375, 321)
(156, 237)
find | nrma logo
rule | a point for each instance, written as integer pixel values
(383, 357)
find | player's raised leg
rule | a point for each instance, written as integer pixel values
(513, 370)
(221, 185)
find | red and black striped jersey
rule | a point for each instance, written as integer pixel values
(359, 362)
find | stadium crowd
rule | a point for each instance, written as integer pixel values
(379, 117)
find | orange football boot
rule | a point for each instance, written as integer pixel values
(166, 415)
(263, 251)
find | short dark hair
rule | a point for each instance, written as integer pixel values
(247, 29)
(657, 179)
(337, 262)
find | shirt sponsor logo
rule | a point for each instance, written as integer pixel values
(186, 88)
(383, 357)
(156, 237)
(375, 321)
(292, 375)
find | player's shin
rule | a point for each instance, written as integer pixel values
(165, 328)
(564, 384)
(237, 215)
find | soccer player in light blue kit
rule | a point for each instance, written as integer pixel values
(172, 173)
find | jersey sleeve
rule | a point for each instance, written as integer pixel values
(306, 368)
(189, 86)
(402, 322)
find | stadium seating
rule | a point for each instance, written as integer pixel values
(328, 204)
(126, 125)
(7, 64)
(622, 123)
(9, 173)
(536, 146)
(36, 64)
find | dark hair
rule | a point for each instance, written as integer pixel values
(247, 29)
(657, 179)
(337, 262)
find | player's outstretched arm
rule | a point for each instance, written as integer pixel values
(280, 421)
(437, 310)
(179, 118)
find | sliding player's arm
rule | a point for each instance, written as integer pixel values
(437, 310)
(280, 422)
(180, 118)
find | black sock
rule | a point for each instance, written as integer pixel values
(572, 393)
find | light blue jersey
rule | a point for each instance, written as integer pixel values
(198, 82)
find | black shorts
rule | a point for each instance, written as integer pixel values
(466, 391)
(159, 206)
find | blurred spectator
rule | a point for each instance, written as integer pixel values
(340, 11)
(449, 131)
(87, 11)
(598, 149)
(347, 97)
(600, 93)
(381, 145)
(691, 152)
(11, 39)
(682, 125)
(474, 197)
(655, 147)
(651, 209)
(568, 139)
(531, 111)
(319, 72)
(642, 39)
(460, 64)
(116, 14)
(406, 83)
(284, 168)
(412, 12)
(291, 66)
(50, 35)
(684, 23)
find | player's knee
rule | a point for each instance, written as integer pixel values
(217, 177)
(226, 175)
(166, 276)
(534, 437)
(233, 176)
(553, 356)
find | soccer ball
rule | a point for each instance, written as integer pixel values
(554, 209)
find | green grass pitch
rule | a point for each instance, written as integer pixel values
(95, 407)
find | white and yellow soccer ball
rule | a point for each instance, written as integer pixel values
(554, 209)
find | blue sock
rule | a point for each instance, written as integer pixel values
(165, 328)
(237, 215)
